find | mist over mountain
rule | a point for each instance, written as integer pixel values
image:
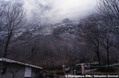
(53, 11)
(46, 15)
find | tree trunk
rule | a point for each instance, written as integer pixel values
(6, 46)
(13, 75)
(98, 57)
(98, 50)
(108, 61)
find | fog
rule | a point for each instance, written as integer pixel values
(53, 11)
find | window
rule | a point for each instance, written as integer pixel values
(28, 71)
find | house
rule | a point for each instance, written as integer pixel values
(15, 69)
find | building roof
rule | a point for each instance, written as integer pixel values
(21, 63)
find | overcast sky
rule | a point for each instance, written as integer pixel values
(56, 10)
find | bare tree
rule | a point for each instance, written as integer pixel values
(109, 11)
(109, 8)
(107, 36)
(13, 18)
(91, 34)
(1, 27)
(1, 15)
